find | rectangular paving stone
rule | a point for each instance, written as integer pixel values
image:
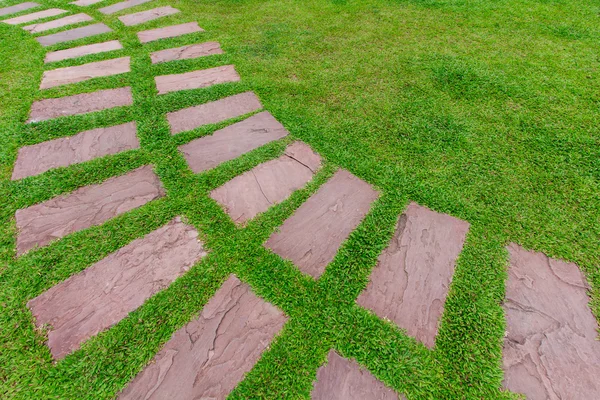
(231, 142)
(312, 236)
(92, 205)
(551, 349)
(81, 51)
(58, 23)
(186, 52)
(146, 16)
(85, 146)
(196, 79)
(410, 283)
(168, 32)
(73, 34)
(208, 357)
(17, 8)
(52, 12)
(105, 293)
(270, 183)
(80, 104)
(122, 6)
(80, 73)
(83, 3)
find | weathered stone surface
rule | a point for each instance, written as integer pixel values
(52, 12)
(196, 79)
(73, 34)
(410, 283)
(231, 142)
(18, 8)
(149, 15)
(92, 205)
(270, 183)
(550, 348)
(85, 146)
(83, 3)
(186, 52)
(80, 73)
(312, 236)
(81, 51)
(208, 357)
(58, 23)
(80, 104)
(168, 32)
(122, 6)
(342, 379)
(102, 295)
(213, 112)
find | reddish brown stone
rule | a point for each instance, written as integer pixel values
(42, 223)
(58, 23)
(81, 51)
(17, 8)
(85, 146)
(551, 349)
(169, 32)
(231, 142)
(102, 295)
(186, 52)
(83, 3)
(80, 73)
(73, 34)
(208, 357)
(196, 79)
(148, 15)
(52, 12)
(122, 6)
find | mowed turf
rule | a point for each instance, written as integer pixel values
(485, 110)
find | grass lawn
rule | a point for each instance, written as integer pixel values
(485, 110)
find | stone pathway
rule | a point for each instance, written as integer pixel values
(75, 52)
(147, 16)
(52, 12)
(80, 73)
(73, 34)
(168, 32)
(196, 79)
(58, 23)
(18, 8)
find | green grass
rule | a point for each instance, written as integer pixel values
(485, 110)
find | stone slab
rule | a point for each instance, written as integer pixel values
(58, 23)
(168, 32)
(196, 79)
(81, 51)
(270, 183)
(85, 146)
(146, 16)
(103, 294)
(52, 12)
(80, 104)
(551, 349)
(312, 236)
(73, 34)
(207, 358)
(80, 73)
(186, 52)
(410, 283)
(213, 112)
(231, 142)
(114, 8)
(92, 205)
(18, 8)
(83, 3)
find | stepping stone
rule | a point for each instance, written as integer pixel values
(92, 205)
(213, 112)
(81, 51)
(169, 32)
(85, 146)
(186, 52)
(80, 73)
(17, 8)
(196, 79)
(83, 3)
(58, 23)
(80, 104)
(146, 16)
(312, 236)
(73, 34)
(52, 12)
(342, 379)
(207, 358)
(270, 183)
(551, 349)
(105, 293)
(122, 6)
(231, 142)
(410, 283)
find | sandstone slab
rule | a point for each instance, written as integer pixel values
(73, 34)
(196, 79)
(52, 12)
(146, 16)
(83, 3)
(18, 8)
(186, 52)
(169, 32)
(81, 51)
(58, 23)
(80, 73)
(114, 8)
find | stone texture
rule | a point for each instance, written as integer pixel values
(80, 73)
(114, 8)
(168, 32)
(80, 104)
(85, 146)
(17, 8)
(312, 236)
(146, 16)
(103, 294)
(342, 379)
(58, 23)
(551, 349)
(231, 142)
(410, 283)
(186, 52)
(83, 3)
(213, 112)
(270, 183)
(208, 357)
(92, 205)
(52, 12)
(196, 79)
(81, 51)
(73, 34)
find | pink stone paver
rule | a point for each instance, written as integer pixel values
(231, 142)
(114, 8)
(18, 8)
(80, 104)
(410, 283)
(103, 294)
(85, 146)
(551, 349)
(83, 3)
(208, 357)
(146, 16)
(213, 112)
(312, 236)
(52, 12)
(92, 205)
(80, 73)
(73, 34)
(81, 51)
(58, 23)
(270, 183)
(168, 32)
(196, 79)
(186, 52)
